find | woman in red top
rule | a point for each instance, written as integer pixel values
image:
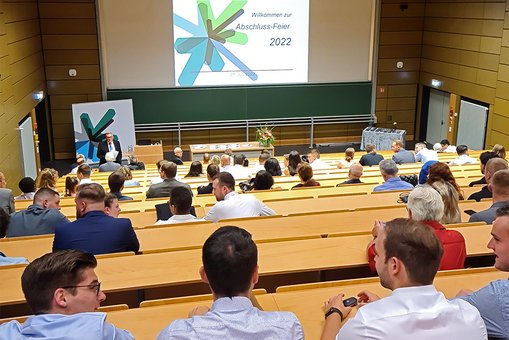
(305, 172)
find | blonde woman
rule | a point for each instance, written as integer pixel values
(348, 161)
(47, 178)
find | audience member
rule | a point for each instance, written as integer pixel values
(71, 186)
(348, 161)
(315, 161)
(84, 172)
(447, 147)
(206, 158)
(27, 187)
(438, 147)
(230, 204)
(168, 172)
(423, 174)
(484, 158)
(110, 164)
(41, 217)
(354, 175)
(158, 179)
(128, 175)
(492, 166)
(94, 231)
(264, 156)
(389, 170)
(407, 260)
(195, 170)
(111, 206)
(263, 181)
(180, 204)
(177, 156)
(499, 185)
(272, 167)
(463, 157)
(371, 157)
(441, 171)
(4, 223)
(226, 162)
(47, 178)
(6, 196)
(499, 150)
(212, 170)
(80, 159)
(425, 205)
(116, 185)
(401, 156)
(230, 268)
(65, 306)
(237, 170)
(215, 159)
(109, 144)
(450, 199)
(492, 300)
(293, 161)
(423, 154)
(305, 172)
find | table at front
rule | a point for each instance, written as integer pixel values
(249, 149)
(380, 137)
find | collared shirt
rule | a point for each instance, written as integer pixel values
(81, 326)
(394, 183)
(25, 196)
(178, 219)
(238, 171)
(426, 155)
(417, 313)
(86, 181)
(235, 205)
(450, 149)
(489, 214)
(235, 318)
(121, 197)
(463, 159)
(319, 164)
(492, 301)
(35, 220)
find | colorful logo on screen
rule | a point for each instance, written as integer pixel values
(94, 134)
(207, 45)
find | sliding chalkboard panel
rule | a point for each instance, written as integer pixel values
(173, 105)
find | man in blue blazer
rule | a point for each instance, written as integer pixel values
(94, 231)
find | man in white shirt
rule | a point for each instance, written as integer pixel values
(423, 154)
(447, 147)
(83, 174)
(180, 203)
(238, 170)
(230, 204)
(463, 157)
(315, 161)
(225, 163)
(408, 257)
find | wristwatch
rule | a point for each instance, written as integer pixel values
(334, 310)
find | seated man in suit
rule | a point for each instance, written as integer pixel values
(94, 231)
(401, 156)
(41, 217)
(6, 196)
(230, 268)
(180, 205)
(109, 145)
(499, 185)
(484, 158)
(65, 306)
(167, 172)
(177, 157)
(492, 166)
(212, 170)
(110, 164)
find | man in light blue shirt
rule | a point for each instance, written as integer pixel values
(64, 293)
(389, 170)
(492, 301)
(230, 269)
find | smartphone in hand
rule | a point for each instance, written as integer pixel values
(350, 302)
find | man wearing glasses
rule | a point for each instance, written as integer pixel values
(64, 293)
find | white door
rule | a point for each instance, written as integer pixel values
(27, 148)
(472, 125)
(438, 113)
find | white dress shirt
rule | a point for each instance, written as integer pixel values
(417, 313)
(235, 205)
(238, 171)
(426, 155)
(463, 159)
(178, 219)
(319, 164)
(450, 149)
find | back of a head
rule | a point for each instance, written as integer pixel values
(48, 178)
(440, 171)
(264, 156)
(499, 150)
(225, 179)
(116, 181)
(182, 199)
(169, 169)
(85, 170)
(445, 142)
(399, 143)
(356, 170)
(91, 192)
(315, 152)
(500, 183)
(263, 180)
(71, 183)
(238, 159)
(124, 169)
(229, 259)
(215, 159)
(212, 170)
(388, 167)
(44, 275)
(26, 185)
(195, 169)
(461, 149)
(349, 154)
(109, 157)
(426, 204)
(305, 171)
(44, 194)
(370, 148)
(272, 166)
(486, 156)
(495, 164)
(294, 159)
(225, 160)
(206, 157)
(417, 246)
(437, 147)
(159, 163)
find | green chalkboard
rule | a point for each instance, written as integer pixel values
(171, 105)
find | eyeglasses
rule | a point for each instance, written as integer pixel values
(96, 286)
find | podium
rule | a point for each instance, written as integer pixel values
(148, 154)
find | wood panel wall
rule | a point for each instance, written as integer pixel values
(69, 40)
(21, 75)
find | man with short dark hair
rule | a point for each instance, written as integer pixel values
(407, 260)
(401, 156)
(230, 268)
(180, 204)
(212, 170)
(447, 147)
(94, 231)
(111, 205)
(492, 166)
(264, 156)
(167, 172)
(463, 157)
(371, 157)
(484, 158)
(109, 145)
(64, 293)
(389, 170)
(238, 170)
(41, 217)
(499, 186)
(116, 182)
(27, 187)
(230, 204)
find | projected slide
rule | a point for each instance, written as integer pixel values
(240, 42)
